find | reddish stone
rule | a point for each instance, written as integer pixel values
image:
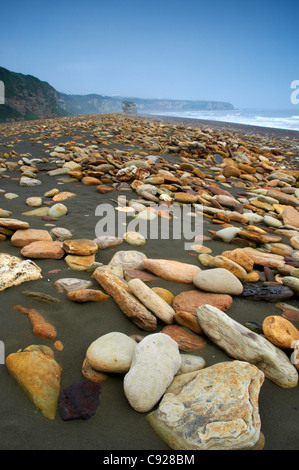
(189, 301)
(80, 400)
(186, 341)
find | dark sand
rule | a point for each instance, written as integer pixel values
(116, 426)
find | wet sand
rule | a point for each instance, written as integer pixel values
(115, 426)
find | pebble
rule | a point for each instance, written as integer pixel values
(128, 304)
(70, 284)
(34, 201)
(190, 364)
(218, 280)
(43, 250)
(58, 210)
(87, 295)
(280, 331)
(23, 237)
(171, 270)
(128, 259)
(83, 247)
(152, 301)
(155, 362)
(186, 341)
(111, 353)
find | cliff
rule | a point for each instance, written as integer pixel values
(27, 97)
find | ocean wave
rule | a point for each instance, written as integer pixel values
(272, 119)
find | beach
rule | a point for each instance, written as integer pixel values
(116, 426)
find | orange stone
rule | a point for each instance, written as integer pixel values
(186, 341)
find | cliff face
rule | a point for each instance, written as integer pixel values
(27, 97)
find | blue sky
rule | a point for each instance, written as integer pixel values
(244, 52)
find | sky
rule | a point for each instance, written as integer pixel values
(243, 52)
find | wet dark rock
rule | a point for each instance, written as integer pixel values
(268, 293)
(254, 326)
(79, 400)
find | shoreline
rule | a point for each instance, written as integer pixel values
(221, 125)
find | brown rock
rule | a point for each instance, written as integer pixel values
(283, 198)
(43, 250)
(145, 276)
(62, 196)
(82, 247)
(188, 320)
(91, 374)
(24, 237)
(226, 263)
(102, 189)
(185, 197)
(165, 294)
(189, 301)
(280, 331)
(171, 270)
(87, 295)
(128, 304)
(290, 216)
(231, 171)
(13, 224)
(90, 181)
(259, 237)
(238, 256)
(79, 263)
(186, 341)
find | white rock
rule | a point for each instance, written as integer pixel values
(57, 210)
(218, 280)
(272, 221)
(128, 259)
(228, 234)
(191, 363)
(112, 352)
(14, 271)
(152, 301)
(25, 181)
(155, 362)
(134, 238)
(34, 201)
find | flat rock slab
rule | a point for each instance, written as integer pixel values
(22, 237)
(14, 271)
(13, 224)
(215, 408)
(243, 344)
(69, 284)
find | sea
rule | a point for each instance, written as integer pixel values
(278, 119)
